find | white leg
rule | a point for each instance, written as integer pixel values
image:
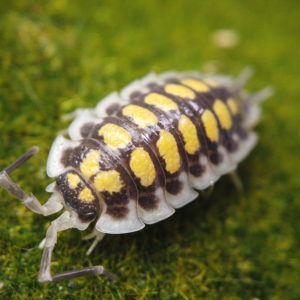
(65, 221)
(237, 181)
(98, 238)
(91, 235)
(30, 201)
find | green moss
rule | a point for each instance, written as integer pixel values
(62, 55)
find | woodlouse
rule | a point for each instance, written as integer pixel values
(141, 154)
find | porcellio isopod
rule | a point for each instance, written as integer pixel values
(141, 154)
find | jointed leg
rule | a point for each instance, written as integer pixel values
(98, 238)
(65, 221)
(29, 201)
(237, 181)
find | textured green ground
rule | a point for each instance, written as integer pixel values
(68, 54)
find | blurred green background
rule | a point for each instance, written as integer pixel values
(59, 55)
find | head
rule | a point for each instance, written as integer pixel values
(78, 195)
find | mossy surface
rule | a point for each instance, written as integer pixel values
(62, 55)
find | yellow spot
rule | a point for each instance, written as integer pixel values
(196, 85)
(210, 125)
(141, 116)
(86, 195)
(73, 180)
(160, 101)
(233, 106)
(180, 91)
(223, 114)
(189, 132)
(212, 83)
(109, 181)
(142, 166)
(115, 136)
(168, 150)
(90, 164)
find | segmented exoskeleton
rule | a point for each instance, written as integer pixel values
(141, 154)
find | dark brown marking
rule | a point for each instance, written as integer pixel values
(112, 109)
(242, 133)
(66, 157)
(148, 202)
(120, 198)
(174, 187)
(230, 144)
(215, 157)
(117, 212)
(197, 170)
(86, 129)
(135, 95)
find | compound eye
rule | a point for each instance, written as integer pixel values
(87, 215)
